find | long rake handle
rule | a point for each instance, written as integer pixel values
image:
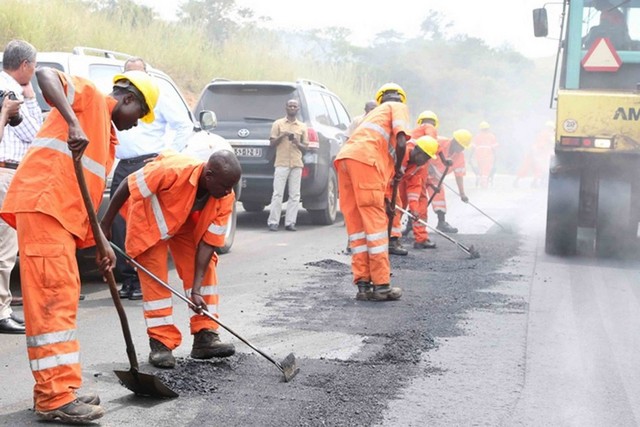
(192, 305)
(455, 242)
(476, 208)
(95, 228)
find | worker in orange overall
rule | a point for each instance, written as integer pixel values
(427, 123)
(371, 157)
(450, 158)
(44, 204)
(411, 191)
(484, 145)
(536, 160)
(182, 204)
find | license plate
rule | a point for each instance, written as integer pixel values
(248, 151)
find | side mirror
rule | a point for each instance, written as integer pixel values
(540, 23)
(208, 120)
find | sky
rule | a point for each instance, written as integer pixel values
(497, 22)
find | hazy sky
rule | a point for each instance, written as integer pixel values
(495, 21)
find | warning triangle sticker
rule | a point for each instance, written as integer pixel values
(602, 56)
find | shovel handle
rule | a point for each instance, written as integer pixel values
(477, 208)
(192, 304)
(95, 228)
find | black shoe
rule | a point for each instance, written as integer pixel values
(396, 248)
(207, 344)
(76, 412)
(89, 398)
(10, 326)
(445, 227)
(125, 290)
(135, 292)
(17, 318)
(428, 244)
(273, 227)
(290, 227)
(365, 289)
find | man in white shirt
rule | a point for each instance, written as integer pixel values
(18, 67)
(136, 147)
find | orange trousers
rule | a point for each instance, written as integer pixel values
(420, 233)
(439, 201)
(50, 288)
(362, 189)
(485, 159)
(158, 301)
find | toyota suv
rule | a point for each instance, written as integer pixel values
(99, 66)
(246, 111)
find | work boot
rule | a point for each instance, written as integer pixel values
(427, 244)
(76, 412)
(445, 227)
(364, 290)
(135, 292)
(207, 344)
(396, 248)
(89, 398)
(161, 356)
(385, 293)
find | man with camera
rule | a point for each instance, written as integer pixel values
(20, 118)
(290, 140)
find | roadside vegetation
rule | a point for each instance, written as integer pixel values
(459, 77)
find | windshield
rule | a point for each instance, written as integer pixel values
(617, 20)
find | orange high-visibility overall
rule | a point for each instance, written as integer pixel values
(411, 196)
(365, 164)
(485, 144)
(45, 206)
(160, 218)
(437, 168)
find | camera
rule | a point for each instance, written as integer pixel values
(17, 119)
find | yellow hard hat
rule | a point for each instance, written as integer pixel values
(390, 87)
(427, 114)
(484, 125)
(428, 144)
(145, 85)
(463, 137)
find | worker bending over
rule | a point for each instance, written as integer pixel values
(371, 157)
(179, 203)
(450, 158)
(412, 189)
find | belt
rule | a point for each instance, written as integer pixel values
(9, 165)
(139, 159)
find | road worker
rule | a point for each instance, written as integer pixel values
(427, 125)
(179, 203)
(372, 157)
(44, 204)
(484, 145)
(536, 160)
(450, 158)
(368, 106)
(412, 188)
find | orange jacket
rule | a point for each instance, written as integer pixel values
(436, 167)
(424, 129)
(163, 194)
(45, 180)
(374, 141)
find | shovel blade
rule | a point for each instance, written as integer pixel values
(289, 368)
(144, 384)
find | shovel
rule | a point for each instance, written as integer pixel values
(471, 251)
(137, 382)
(287, 366)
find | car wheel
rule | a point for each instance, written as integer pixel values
(327, 216)
(253, 206)
(230, 234)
